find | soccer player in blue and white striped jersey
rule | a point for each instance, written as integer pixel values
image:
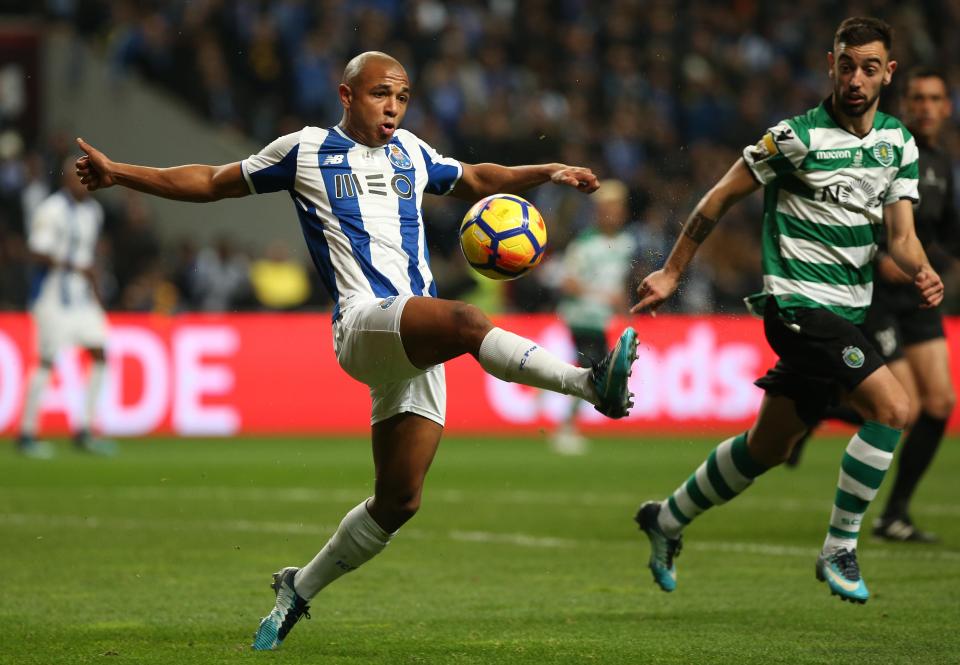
(358, 190)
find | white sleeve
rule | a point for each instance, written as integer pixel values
(906, 184)
(443, 173)
(274, 168)
(779, 151)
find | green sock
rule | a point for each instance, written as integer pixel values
(865, 463)
(727, 471)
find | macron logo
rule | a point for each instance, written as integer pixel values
(833, 154)
(333, 159)
(526, 356)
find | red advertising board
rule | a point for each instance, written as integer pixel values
(270, 373)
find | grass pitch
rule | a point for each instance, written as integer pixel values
(164, 555)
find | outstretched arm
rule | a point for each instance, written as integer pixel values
(660, 285)
(479, 180)
(194, 182)
(905, 249)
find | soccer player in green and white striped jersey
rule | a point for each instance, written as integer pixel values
(831, 177)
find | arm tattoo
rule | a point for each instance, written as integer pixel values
(698, 227)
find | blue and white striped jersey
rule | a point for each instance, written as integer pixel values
(360, 207)
(66, 230)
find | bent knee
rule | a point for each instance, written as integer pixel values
(398, 508)
(895, 413)
(939, 405)
(471, 324)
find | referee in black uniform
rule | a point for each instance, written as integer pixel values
(911, 339)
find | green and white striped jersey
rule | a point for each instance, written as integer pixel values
(824, 193)
(601, 264)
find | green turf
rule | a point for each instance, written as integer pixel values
(164, 555)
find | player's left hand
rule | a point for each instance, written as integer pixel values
(930, 286)
(576, 176)
(93, 168)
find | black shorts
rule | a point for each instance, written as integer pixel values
(821, 356)
(591, 346)
(896, 321)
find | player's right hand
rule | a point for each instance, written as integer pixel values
(930, 286)
(93, 168)
(654, 290)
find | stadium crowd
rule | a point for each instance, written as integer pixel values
(660, 95)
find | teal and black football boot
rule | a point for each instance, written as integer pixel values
(284, 616)
(663, 550)
(842, 574)
(610, 376)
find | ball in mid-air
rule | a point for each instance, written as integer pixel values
(503, 236)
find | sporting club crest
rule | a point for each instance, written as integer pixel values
(853, 357)
(398, 157)
(883, 153)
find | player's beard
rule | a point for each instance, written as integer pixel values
(855, 111)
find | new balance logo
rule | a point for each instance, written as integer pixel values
(330, 160)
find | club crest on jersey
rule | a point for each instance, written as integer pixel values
(853, 357)
(386, 302)
(398, 157)
(883, 153)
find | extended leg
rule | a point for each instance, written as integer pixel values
(728, 470)
(434, 331)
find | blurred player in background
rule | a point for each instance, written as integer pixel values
(358, 188)
(595, 269)
(62, 239)
(910, 337)
(831, 177)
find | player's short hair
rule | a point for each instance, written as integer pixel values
(611, 191)
(926, 72)
(354, 68)
(860, 30)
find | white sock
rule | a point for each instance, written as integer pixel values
(31, 406)
(357, 540)
(94, 384)
(513, 358)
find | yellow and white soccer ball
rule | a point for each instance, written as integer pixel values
(503, 236)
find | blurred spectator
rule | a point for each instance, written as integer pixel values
(657, 94)
(221, 283)
(279, 282)
(36, 186)
(136, 245)
(14, 267)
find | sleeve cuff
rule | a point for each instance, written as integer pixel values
(455, 180)
(246, 176)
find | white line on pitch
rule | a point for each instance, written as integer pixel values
(519, 497)
(517, 539)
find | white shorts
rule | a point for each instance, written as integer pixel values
(366, 339)
(59, 327)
